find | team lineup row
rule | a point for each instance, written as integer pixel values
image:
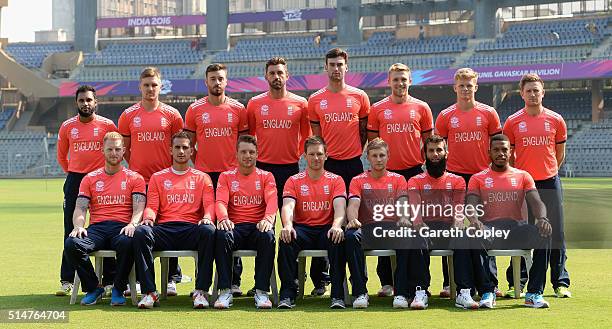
(340, 114)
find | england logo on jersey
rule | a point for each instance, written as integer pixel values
(230, 118)
(164, 122)
(488, 182)
(412, 114)
(522, 127)
(96, 131)
(304, 190)
(513, 182)
(479, 121)
(454, 121)
(235, 186)
(349, 103)
(546, 126)
(206, 117)
(123, 185)
(99, 186)
(257, 185)
(137, 122)
(323, 104)
(168, 184)
(74, 133)
(290, 110)
(326, 189)
(449, 186)
(191, 185)
(390, 188)
(264, 109)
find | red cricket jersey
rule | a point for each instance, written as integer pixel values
(80, 145)
(247, 199)
(281, 126)
(401, 126)
(535, 139)
(376, 191)
(110, 196)
(216, 129)
(339, 114)
(150, 136)
(446, 190)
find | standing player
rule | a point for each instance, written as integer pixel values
(314, 206)
(179, 216)
(404, 122)
(467, 126)
(246, 211)
(279, 120)
(339, 114)
(437, 187)
(374, 187)
(538, 136)
(214, 123)
(502, 190)
(147, 128)
(79, 151)
(116, 199)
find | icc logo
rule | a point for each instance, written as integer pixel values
(489, 182)
(454, 121)
(206, 117)
(99, 186)
(388, 114)
(137, 122)
(168, 184)
(74, 133)
(323, 104)
(235, 186)
(264, 109)
(522, 126)
(304, 190)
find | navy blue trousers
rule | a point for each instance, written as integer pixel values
(103, 235)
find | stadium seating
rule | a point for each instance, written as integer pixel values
(31, 55)
(22, 152)
(589, 152)
(5, 116)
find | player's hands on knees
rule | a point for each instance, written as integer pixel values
(544, 227)
(205, 221)
(353, 224)
(78, 232)
(287, 234)
(336, 234)
(404, 222)
(225, 225)
(128, 230)
(264, 225)
(147, 222)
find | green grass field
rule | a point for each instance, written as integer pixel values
(31, 226)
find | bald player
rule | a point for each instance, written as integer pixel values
(147, 128)
(214, 124)
(115, 197)
(339, 114)
(538, 136)
(79, 151)
(180, 215)
(403, 122)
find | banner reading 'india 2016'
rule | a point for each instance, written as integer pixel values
(599, 69)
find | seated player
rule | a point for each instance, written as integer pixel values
(179, 216)
(314, 206)
(246, 212)
(437, 187)
(374, 187)
(116, 199)
(502, 190)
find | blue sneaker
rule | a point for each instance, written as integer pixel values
(535, 301)
(117, 298)
(92, 297)
(487, 300)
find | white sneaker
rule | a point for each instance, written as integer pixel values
(487, 300)
(127, 292)
(225, 299)
(400, 302)
(171, 289)
(420, 300)
(200, 299)
(464, 300)
(385, 291)
(362, 301)
(149, 300)
(236, 291)
(65, 289)
(262, 300)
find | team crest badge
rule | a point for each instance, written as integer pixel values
(290, 110)
(513, 182)
(137, 122)
(74, 133)
(326, 189)
(164, 122)
(99, 186)
(323, 104)
(349, 103)
(479, 121)
(488, 182)
(168, 184)
(367, 186)
(304, 190)
(206, 117)
(388, 114)
(96, 132)
(235, 186)
(412, 114)
(454, 121)
(123, 185)
(257, 185)
(230, 118)
(264, 109)
(522, 127)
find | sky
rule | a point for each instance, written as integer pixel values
(22, 17)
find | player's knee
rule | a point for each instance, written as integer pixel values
(143, 233)
(206, 231)
(353, 238)
(267, 237)
(70, 245)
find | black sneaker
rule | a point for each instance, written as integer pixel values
(286, 303)
(337, 303)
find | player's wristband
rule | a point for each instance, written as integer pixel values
(542, 218)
